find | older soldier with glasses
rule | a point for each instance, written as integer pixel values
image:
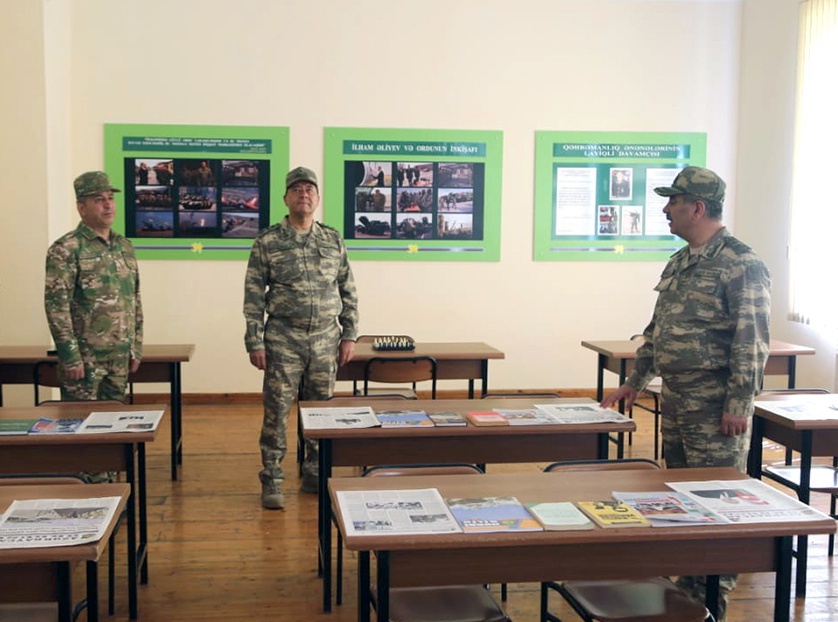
(298, 275)
(92, 298)
(708, 339)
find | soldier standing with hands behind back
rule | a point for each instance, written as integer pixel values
(299, 276)
(92, 299)
(708, 340)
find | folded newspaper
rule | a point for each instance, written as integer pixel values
(373, 513)
(39, 523)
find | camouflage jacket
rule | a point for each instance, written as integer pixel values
(304, 286)
(92, 296)
(712, 314)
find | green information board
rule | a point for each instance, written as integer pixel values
(594, 193)
(414, 195)
(196, 191)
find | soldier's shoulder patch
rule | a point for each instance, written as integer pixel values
(330, 229)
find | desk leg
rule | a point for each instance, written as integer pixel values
(755, 452)
(142, 560)
(364, 586)
(803, 493)
(711, 595)
(177, 420)
(782, 580)
(382, 606)
(602, 446)
(792, 371)
(602, 361)
(131, 512)
(65, 592)
(92, 591)
(324, 520)
(484, 371)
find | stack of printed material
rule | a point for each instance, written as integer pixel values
(338, 418)
(488, 514)
(39, 523)
(669, 509)
(403, 418)
(404, 512)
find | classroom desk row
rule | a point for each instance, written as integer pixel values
(624, 553)
(161, 363)
(72, 453)
(428, 445)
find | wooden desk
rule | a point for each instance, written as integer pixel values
(810, 437)
(625, 553)
(29, 575)
(72, 453)
(618, 357)
(455, 361)
(472, 444)
(161, 363)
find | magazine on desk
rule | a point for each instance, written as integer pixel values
(408, 512)
(40, 523)
(336, 418)
(669, 509)
(16, 427)
(447, 419)
(526, 416)
(581, 413)
(403, 418)
(490, 514)
(747, 501)
(110, 422)
(559, 516)
(45, 425)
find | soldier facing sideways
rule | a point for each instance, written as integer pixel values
(708, 340)
(92, 299)
(298, 275)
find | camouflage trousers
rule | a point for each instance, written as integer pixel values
(105, 378)
(293, 355)
(691, 416)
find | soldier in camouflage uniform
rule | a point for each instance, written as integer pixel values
(708, 339)
(92, 299)
(298, 275)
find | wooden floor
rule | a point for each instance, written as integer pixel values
(215, 554)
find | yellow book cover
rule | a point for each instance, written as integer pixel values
(613, 513)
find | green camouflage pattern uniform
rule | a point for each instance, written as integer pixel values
(708, 341)
(93, 306)
(303, 283)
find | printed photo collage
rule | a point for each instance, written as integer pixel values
(196, 198)
(621, 216)
(414, 200)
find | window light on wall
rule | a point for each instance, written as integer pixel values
(813, 246)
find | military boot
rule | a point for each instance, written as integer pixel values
(272, 497)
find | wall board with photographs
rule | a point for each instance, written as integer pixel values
(426, 195)
(594, 193)
(195, 192)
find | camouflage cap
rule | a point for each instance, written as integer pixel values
(698, 182)
(91, 183)
(300, 173)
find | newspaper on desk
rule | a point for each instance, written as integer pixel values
(337, 418)
(40, 523)
(108, 422)
(801, 410)
(373, 513)
(581, 413)
(747, 501)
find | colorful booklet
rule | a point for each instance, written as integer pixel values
(488, 514)
(403, 418)
(559, 515)
(486, 417)
(45, 425)
(14, 427)
(613, 513)
(447, 419)
(669, 508)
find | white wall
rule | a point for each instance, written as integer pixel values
(611, 65)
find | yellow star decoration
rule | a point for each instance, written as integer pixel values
(413, 248)
(619, 249)
(197, 247)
